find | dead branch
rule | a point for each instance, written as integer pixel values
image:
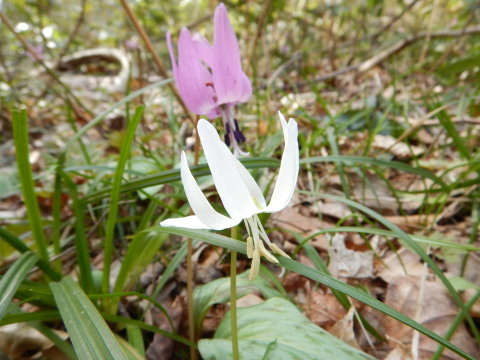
(397, 47)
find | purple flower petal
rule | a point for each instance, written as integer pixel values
(204, 49)
(228, 77)
(193, 79)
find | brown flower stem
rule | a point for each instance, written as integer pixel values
(161, 69)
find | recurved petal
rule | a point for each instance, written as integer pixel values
(228, 76)
(194, 81)
(189, 222)
(288, 173)
(228, 180)
(205, 213)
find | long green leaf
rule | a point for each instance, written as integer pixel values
(81, 242)
(142, 325)
(170, 176)
(13, 278)
(20, 137)
(350, 160)
(314, 274)
(18, 245)
(115, 196)
(91, 336)
(383, 232)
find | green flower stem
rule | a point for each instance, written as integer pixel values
(191, 320)
(233, 298)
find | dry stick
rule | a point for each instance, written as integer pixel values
(397, 47)
(73, 34)
(387, 27)
(423, 53)
(258, 33)
(161, 69)
(50, 72)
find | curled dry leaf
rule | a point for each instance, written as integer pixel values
(19, 341)
(349, 263)
(398, 149)
(162, 347)
(402, 263)
(343, 329)
(403, 294)
(323, 309)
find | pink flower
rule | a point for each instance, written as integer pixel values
(209, 78)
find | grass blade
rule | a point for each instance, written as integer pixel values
(18, 245)
(170, 176)
(91, 336)
(13, 278)
(20, 137)
(81, 241)
(369, 161)
(115, 197)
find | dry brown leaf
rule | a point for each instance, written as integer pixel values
(161, 346)
(323, 308)
(412, 223)
(349, 263)
(292, 219)
(343, 329)
(402, 263)
(22, 342)
(403, 294)
(400, 353)
(398, 149)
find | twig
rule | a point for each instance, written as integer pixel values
(161, 69)
(423, 53)
(258, 33)
(76, 28)
(76, 101)
(397, 47)
(387, 27)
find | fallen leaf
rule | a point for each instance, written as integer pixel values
(349, 263)
(403, 295)
(343, 329)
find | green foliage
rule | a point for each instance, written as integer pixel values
(90, 335)
(218, 292)
(276, 329)
(13, 278)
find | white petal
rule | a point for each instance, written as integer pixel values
(252, 186)
(288, 173)
(199, 203)
(229, 182)
(189, 222)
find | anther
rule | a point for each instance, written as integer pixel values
(249, 247)
(227, 139)
(277, 250)
(236, 125)
(255, 265)
(265, 253)
(238, 136)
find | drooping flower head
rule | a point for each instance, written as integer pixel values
(209, 78)
(240, 194)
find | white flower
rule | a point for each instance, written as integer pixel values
(240, 194)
